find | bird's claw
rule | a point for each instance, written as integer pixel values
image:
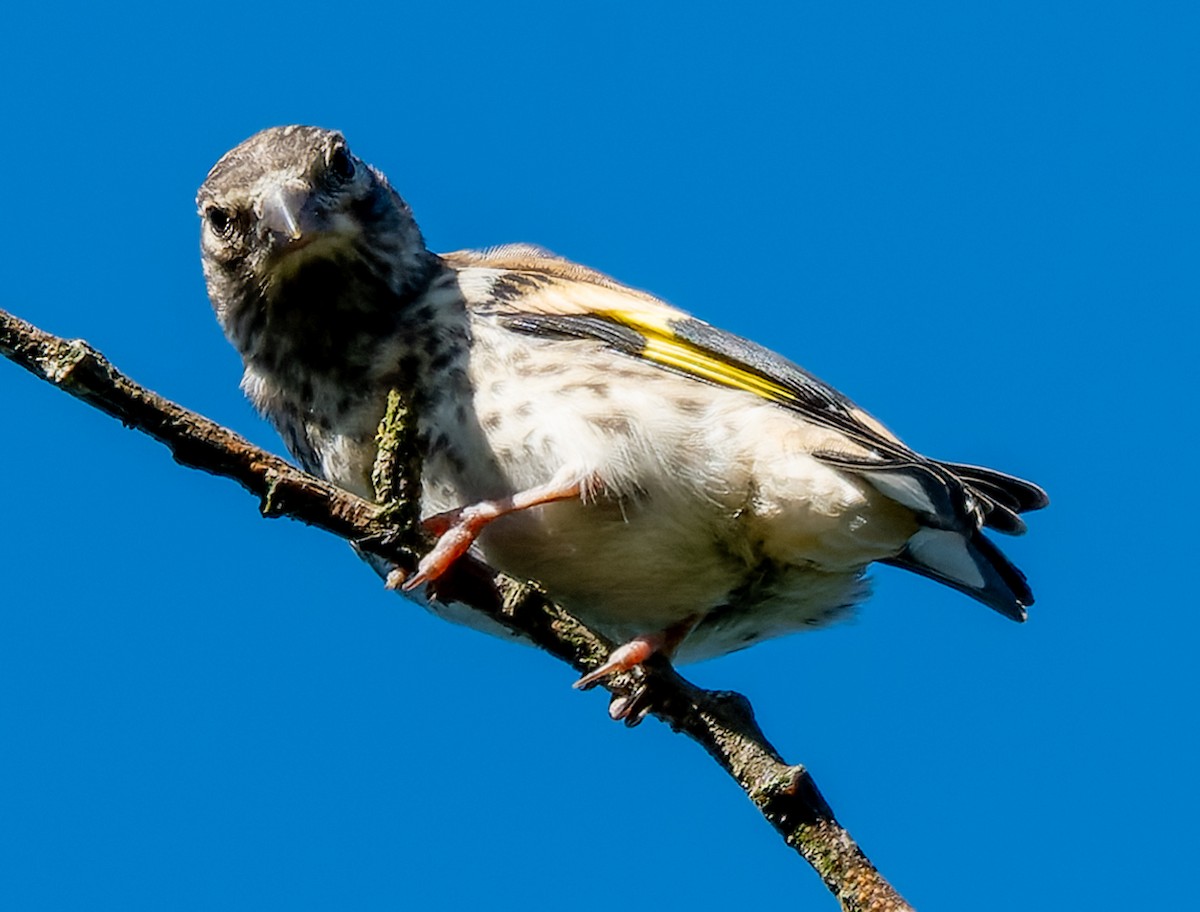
(623, 658)
(633, 707)
(456, 533)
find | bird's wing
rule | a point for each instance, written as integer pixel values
(535, 292)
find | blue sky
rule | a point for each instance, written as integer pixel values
(979, 220)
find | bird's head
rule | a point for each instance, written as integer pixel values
(287, 208)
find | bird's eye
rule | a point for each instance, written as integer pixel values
(341, 165)
(220, 220)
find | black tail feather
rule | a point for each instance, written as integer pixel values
(973, 566)
(1019, 495)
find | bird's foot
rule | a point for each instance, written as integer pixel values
(631, 708)
(624, 658)
(458, 529)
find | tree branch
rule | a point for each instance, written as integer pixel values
(721, 722)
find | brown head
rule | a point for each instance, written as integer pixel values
(298, 232)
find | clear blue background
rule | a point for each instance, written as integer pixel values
(978, 219)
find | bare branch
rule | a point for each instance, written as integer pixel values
(719, 721)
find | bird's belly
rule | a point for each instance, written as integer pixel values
(628, 570)
(705, 503)
(627, 567)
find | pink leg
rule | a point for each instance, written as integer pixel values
(640, 648)
(458, 529)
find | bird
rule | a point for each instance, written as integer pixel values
(682, 490)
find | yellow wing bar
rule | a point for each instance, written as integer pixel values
(664, 347)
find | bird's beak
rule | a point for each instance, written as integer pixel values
(282, 210)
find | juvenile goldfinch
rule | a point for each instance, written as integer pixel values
(677, 487)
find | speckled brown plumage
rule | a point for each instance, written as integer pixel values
(697, 483)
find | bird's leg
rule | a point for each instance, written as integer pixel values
(634, 653)
(458, 529)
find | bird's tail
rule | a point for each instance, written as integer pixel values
(954, 503)
(972, 564)
(1002, 497)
